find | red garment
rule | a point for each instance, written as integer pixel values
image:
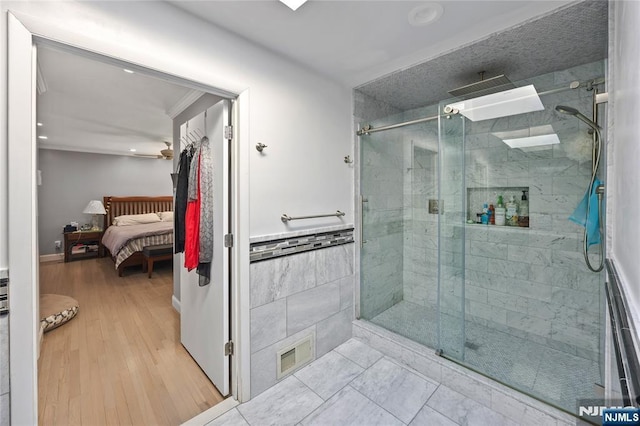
(192, 230)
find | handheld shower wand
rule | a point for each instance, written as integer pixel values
(595, 162)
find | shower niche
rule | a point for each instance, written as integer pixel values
(478, 197)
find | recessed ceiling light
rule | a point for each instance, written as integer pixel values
(42, 137)
(537, 136)
(128, 71)
(133, 150)
(425, 14)
(293, 4)
(39, 124)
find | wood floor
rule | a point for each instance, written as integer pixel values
(120, 361)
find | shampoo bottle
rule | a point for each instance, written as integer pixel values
(523, 214)
(511, 216)
(500, 212)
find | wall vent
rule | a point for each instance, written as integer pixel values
(295, 356)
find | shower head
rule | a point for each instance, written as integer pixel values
(572, 111)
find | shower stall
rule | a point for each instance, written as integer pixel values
(517, 302)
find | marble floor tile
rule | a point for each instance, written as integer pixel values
(363, 355)
(394, 388)
(463, 410)
(429, 416)
(230, 418)
(288, 402)
(350, 407)
(329, 374)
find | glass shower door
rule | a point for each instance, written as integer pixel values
(399, 254)
(451, 237)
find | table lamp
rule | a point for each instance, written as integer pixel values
(95, 207)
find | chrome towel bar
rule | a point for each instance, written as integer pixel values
(286, 218)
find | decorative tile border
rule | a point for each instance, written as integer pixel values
(4, 292)
(265, 250)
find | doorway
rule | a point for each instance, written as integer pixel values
(23, 259)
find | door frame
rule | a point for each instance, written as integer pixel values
(24, 31)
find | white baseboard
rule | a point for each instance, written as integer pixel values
(56, 257)
(176, 303)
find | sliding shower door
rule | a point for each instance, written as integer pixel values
(399, 253)
(531, 311)
(451, 237)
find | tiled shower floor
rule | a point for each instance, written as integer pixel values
(551, 375)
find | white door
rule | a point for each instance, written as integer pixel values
(204, 311)
(22, 225)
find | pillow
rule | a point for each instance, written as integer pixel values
(136, 219)
(166, 216)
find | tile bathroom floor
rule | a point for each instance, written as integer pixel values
(356, 385)
(533, 368)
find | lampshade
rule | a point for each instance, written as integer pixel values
(502, 104)
(94, 207)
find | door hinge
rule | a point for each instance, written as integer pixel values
(228, 348)
(228, 132)
(228, 240)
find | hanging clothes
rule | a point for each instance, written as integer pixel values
(192, 216)
(206, 212)
(182, 189)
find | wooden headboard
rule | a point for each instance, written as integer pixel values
(117, 206)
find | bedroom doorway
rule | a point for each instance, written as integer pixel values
(23, 263)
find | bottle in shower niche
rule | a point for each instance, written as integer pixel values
(500, 212)
(485, 214)
(511, 215)
(523, 214)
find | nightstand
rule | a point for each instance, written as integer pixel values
(82, 245)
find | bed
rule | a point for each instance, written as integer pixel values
(129, 253)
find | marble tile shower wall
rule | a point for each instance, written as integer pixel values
(383, 166)
(309, 293)
(531, 282)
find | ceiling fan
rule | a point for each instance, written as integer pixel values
(166, 154)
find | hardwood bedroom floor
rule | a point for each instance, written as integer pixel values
(119, 361)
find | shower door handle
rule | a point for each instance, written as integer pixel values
(362, 201)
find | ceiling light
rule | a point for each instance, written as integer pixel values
(127, 71)
(425, 14)
(530, 137)
(132, 150)
(39, 124)
(293, 4)
(502, 104)
(42, 137)
(533, 141)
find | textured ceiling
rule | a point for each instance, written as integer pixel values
(569, 37)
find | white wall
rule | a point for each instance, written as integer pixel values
(71, 179)
(624, 192)
(301, 116)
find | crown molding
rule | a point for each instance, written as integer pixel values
(184, 103)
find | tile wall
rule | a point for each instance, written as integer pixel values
(294, 296)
